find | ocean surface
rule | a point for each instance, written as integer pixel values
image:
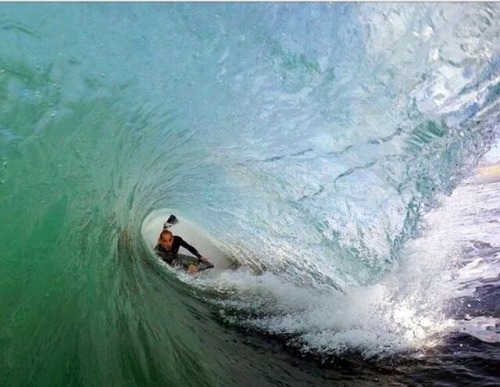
(345, 156)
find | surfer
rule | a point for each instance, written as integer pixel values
(168, 248)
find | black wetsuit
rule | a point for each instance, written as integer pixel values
(170, 256)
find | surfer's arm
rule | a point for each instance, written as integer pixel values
(190, 248)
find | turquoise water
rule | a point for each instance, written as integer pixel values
(308, 140)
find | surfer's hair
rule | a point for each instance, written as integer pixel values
(165, 232)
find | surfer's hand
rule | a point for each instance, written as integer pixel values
(203, 259)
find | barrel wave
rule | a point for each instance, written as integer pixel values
(330, 150)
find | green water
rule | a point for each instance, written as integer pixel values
(303, 157)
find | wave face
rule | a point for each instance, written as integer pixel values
(309, 140)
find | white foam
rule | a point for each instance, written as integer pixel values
(405, 311)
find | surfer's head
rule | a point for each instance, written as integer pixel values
(166, 238)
